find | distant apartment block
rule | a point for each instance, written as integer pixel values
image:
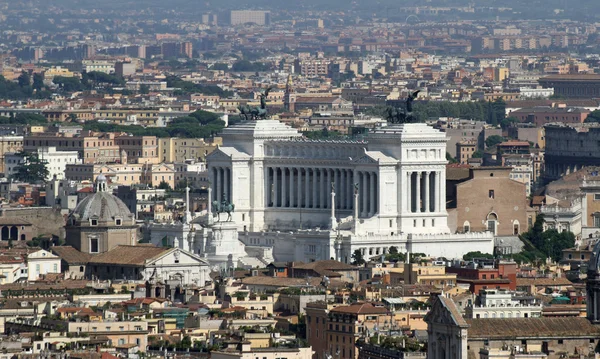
(240, 17)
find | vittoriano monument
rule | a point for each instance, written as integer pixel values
(403, 114)
(256, 113)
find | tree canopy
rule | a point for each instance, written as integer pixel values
(22, 89)
(187, 87)
(477, 254)
(493, 140)
(32, 170)
(357, 258)
(490, 112)
(540, 244)
(199, 124)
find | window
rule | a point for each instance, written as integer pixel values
(93, 245)
(596, 220)
(491, 194)
(467, 227)
(118, 221)
(596, 196)
(55, 268)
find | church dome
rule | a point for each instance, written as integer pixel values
(102, 206)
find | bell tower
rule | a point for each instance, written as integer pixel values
(289, 99)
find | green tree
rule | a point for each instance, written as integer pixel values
(144, 89)
(450, 159)
(38, 81)
(493, 140)
(32, 170)
(357, 258)
(477, 154)
(507, 122)
(186, 342)
(594, 116)
(24, 79)
(68, 84)
(164, 185)
(471, 255)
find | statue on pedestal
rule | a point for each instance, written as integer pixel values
(223, 207)
(403, 114)
(256, 113)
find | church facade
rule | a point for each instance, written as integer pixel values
(311, 200)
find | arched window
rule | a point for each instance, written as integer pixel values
(492, 221)
(516, 227)
(466, 227)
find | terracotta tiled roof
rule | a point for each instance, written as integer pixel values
(543, 282)
(329, 264)
(360, 308)
(71, 255)
(128, 255)
(560, 327)
(281, 282)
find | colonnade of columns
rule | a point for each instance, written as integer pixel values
(368, 189)
(220, 178)
(294, 187)
(424, 189)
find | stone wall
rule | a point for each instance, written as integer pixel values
(44, 220)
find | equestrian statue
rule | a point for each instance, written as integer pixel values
(223, 207)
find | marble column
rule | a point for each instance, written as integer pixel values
(323, 189)
(275, 187)
(226, 183)
(328, 187)
(292, 187)
(314, 188)
(418, 192)
(307, 188)
(219, 186)
(283, 187)
(338, 191)
(364, 207)
(299, 198)
(372, 194)
(213, 184)
(438, 197)
(408, 200)
(427, 189)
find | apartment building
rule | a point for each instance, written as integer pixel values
(9, 144)
(125, 174)
(138, 149)
(175, 149)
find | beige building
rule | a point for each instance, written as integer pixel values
(429, 274)
(9, 144)
(139, 149)
(334, 332)
(465, 150)
(124, 174)
(488, 200)
(180, 149)
(244, 351)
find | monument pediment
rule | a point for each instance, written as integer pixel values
(226, 154)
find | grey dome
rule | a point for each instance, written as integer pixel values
(102, 205)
